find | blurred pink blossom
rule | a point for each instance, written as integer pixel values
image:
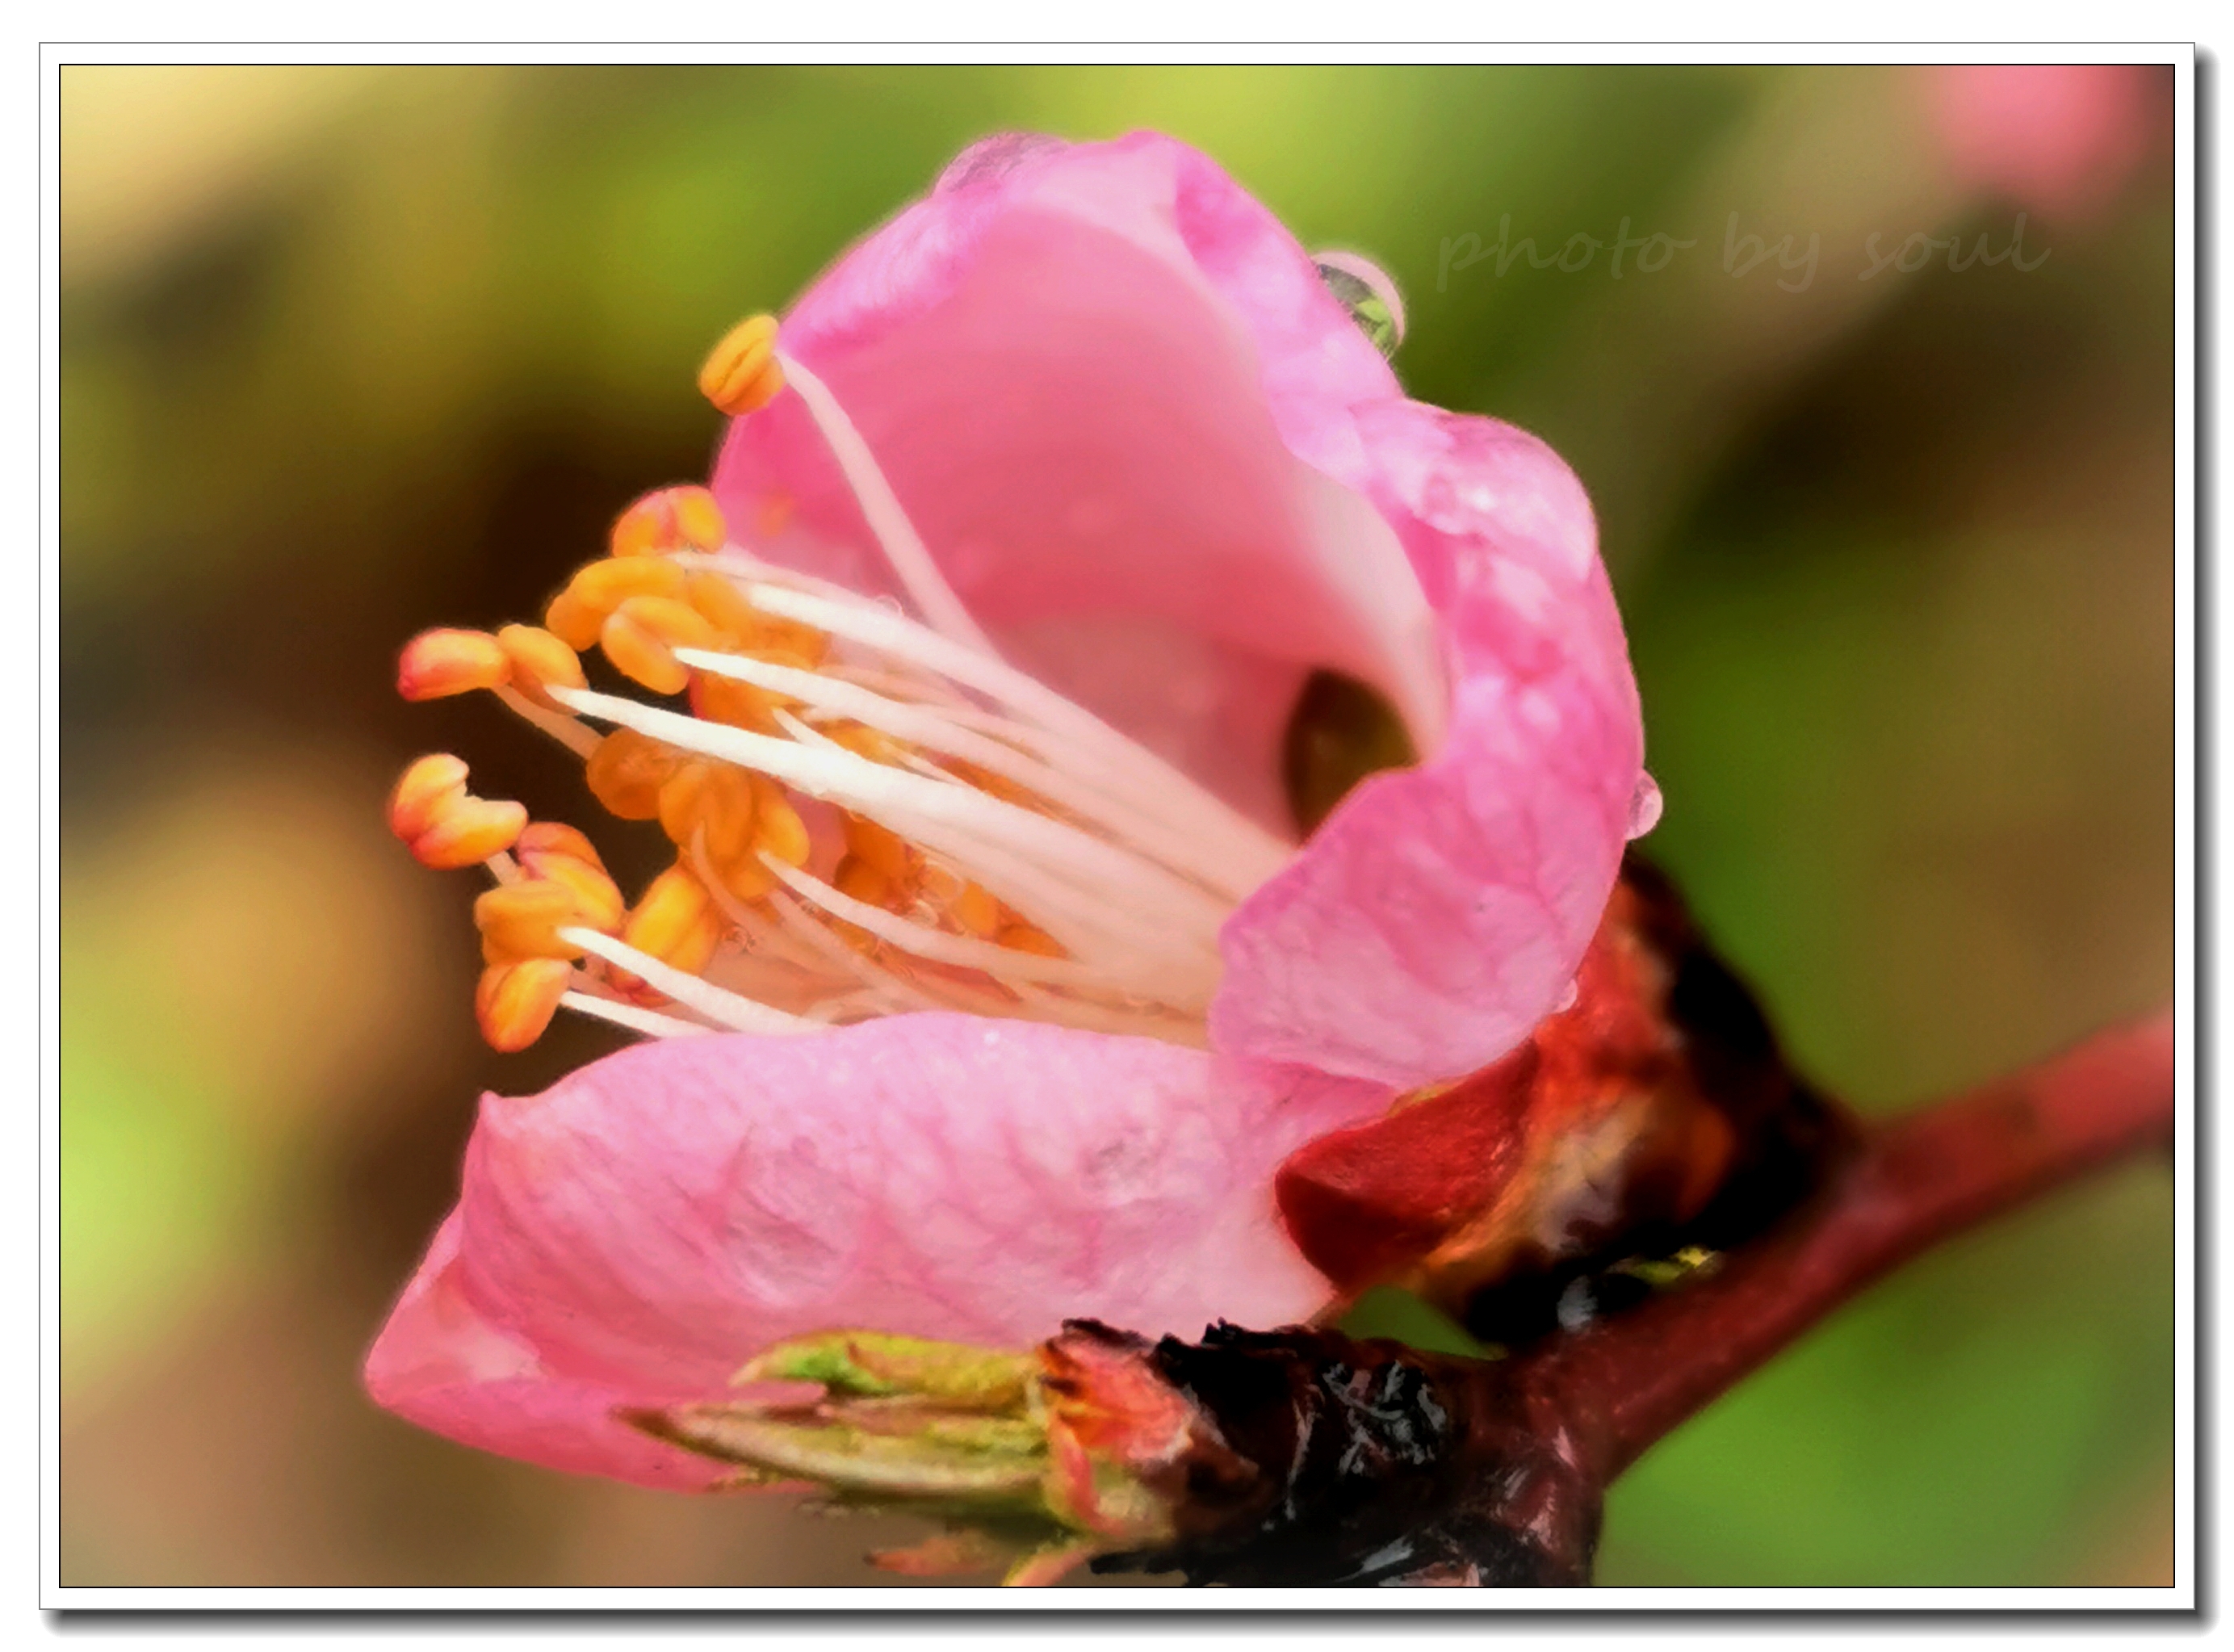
(2059, 138)
(1147, 457)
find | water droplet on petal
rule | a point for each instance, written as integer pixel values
(1567, 999)
(1644, 805)
(1369, 294)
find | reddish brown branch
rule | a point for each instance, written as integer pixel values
(1371, 1462)
(1911, 1182)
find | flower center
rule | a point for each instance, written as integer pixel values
(871, 811)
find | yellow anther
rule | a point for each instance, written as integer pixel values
(603, 586)
(559, 853)
(640, 655)
(539, 661)
(780, 642)
(880, 847)
(741, 375)
(641, 636)
(467, 831)
(598, 897)
(950, 893)
(676, 922)
(977, 911)
(857, 878)
(738, 704)
(863, 741)
(573, 621)
(673, 621)
(445, 824)
(1020, 936)
(743, 876)
(776, 825)
(428, 787)
(720, 813)
(712, 799)
(673, 518)
(627, 770)
(439, 662)
(723, 606)
(565, 886)
(547, 842)
(783, 641)
(515, 1001)
(522, 920)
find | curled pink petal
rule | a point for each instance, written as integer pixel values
(1439, 912)
(1107, 386)
(637, 1232)
(1169, 475)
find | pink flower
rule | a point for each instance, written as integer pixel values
(2060, 138)
(1058, 492)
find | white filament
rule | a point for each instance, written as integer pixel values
(1004, 964)
(564, 730)
(904, 548)
(998, 842)
(801, 923)
(727, 1008)
(1064, 734)
(630, 1016)
(932, 730)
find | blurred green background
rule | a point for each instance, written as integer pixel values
(347, 352)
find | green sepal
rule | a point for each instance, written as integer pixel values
(877, 1363)
(857, 1462)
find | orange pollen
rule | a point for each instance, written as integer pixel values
(573, 621)
(741, 375)
(565, 885)
(709, 806)
(641, 634)
(626, 772)
(521, 920)
(722, 607)
(676, 922)
(559, 853)
(446, 825)
(515, 1001)
(427, 787)
(442, 663)
(670, 519)
(539, 661)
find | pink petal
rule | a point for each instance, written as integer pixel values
(638, 1231)
(1107, 386)
(443, 1366)
(1440, 912)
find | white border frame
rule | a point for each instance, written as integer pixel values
(53, 1595)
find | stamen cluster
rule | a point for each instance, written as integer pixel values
(869, 812)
